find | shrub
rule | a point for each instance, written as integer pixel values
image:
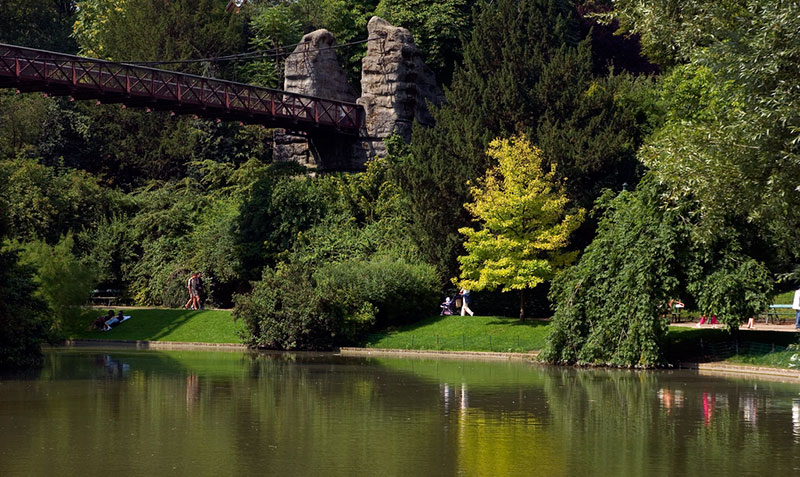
(291, 308)
(65, 282)
(283, 312)
(400, 292)
(22, 315)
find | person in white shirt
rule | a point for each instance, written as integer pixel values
(465, 301)
(796, 308)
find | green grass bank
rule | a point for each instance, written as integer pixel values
(153, 324)
(447, 333)
(468, 333)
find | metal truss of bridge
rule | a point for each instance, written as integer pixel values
(27, 70)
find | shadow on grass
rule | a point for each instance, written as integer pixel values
(690, 344)
(172, 325)
(145, 324)
(530, 322)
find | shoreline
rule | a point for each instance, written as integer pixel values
(722, 368)
(145, 345)
(708, 368)
(413, 353)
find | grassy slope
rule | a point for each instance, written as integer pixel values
(471, 333)
(207, 326)
(688, 343)
(784, 298)
(435, 333)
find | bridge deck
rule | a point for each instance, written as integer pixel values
(27, 69)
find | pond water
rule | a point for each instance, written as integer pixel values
(119, 412)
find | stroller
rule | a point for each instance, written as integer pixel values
(449, 307)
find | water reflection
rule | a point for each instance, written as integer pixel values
(670, 398)
(113, 368)
(305, 414)
(796, 419)
(749, 407)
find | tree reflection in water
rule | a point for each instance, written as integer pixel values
(310, 414)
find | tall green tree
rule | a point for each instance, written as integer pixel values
(437, 27)
(152, 30)
(526, 70)
(22, 313)
(524, 222)
(732, 133)
(42, 24)
(611, 307)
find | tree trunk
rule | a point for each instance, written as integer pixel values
(522, 305)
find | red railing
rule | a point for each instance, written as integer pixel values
(28, 69)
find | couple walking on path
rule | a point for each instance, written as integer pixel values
(195, 287)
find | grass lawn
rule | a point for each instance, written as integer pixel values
(757, 348)
(469, 333)
(204, 326)
(784, 298)
(788, 359)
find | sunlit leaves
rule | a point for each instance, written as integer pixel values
(524, 221)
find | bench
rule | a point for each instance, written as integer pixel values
(104, 297)
(777, 313)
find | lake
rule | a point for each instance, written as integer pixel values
(126, 412)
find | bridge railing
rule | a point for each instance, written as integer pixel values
(37, 70)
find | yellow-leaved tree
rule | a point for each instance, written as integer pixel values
(524, 220)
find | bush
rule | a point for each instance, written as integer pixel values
(283, 312)
(401, 292)
(22, 315)
(65, 282)
(291, 308)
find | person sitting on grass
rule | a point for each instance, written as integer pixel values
(113, 321)
(100, 322)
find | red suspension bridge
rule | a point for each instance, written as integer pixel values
(28, 70)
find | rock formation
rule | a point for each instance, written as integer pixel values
(313, 69)
(395, 84)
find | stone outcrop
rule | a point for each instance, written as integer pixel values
(395, 84)
(313, 69)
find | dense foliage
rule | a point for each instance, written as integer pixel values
(99, 196)
(22, 314)
(613, 305)
(523, 222)
(345, 268)
(721, 204)
(527, 69)
(731, 110)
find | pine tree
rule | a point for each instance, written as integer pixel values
(526, 71)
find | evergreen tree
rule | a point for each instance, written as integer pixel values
(526, 71)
